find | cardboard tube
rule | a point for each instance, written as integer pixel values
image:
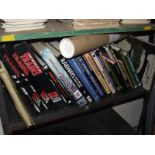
(15, 96)
(74, 46)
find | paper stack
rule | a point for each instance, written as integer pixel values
(14, 25)
(135, 21)
(91, 23)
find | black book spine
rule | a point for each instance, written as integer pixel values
(20, 81)
(40, 81)
(56, 83)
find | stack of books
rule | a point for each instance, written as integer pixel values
(90, 23)
(48, 80)
(14, 25)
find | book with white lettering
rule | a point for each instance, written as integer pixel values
(48, 56)
(36, 74)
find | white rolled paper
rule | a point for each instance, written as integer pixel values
(74, 46)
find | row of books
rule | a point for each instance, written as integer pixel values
(48, 79)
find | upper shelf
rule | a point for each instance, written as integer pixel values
(54, 29)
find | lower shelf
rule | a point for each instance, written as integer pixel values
(13, 124)
(105, 122)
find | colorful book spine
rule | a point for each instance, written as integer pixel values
(126, 64)
(63, 93)
(97, 72)
(24, 55)
(90, 76)
(111, 70)
(121, 56)
(119, 67)
(130, 64)
(82, 76)
(74, 77)
(102, 67)
(21, 81)
(60, 73)
(93, 74)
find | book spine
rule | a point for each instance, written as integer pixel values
(66, 97)
(45, 88)
(90, 76)
(97, 72)
(111, 70)
(130, 64)
(126, 64)
(72, 74)
(119, 54)
(28, 78)
(118, 66)
(93, 74)
(103, 70)
(61, 74)
(21, 83)
(82, 76)
(56, 83)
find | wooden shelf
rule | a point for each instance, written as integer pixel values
(54, 29)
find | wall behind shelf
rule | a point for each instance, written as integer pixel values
(131, 111)
(1, 128)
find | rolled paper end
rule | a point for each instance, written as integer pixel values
(114, 37)
(67, 48)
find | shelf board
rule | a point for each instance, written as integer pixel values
(15, 124)
(54, 29)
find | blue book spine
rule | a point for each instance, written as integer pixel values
(82, 76)
(61, 74)
(90, 76)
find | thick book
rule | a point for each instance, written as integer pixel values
(21, 81)
(90, 76)
(97, 72)
(61, 74)
(55, 49)
(84, 79)
(103, 70)
(41, 82)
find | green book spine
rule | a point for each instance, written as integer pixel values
(112, 72)
(127, 66)
(132, 69)
(118, 66)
